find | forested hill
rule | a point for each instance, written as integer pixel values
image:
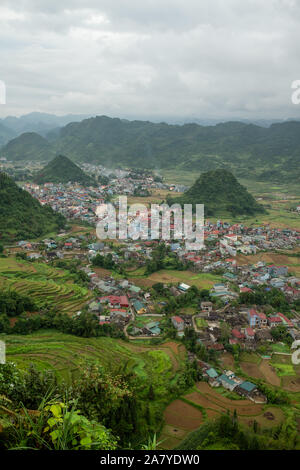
(62, 170)
(22, 216)
(6, 134)
(220, 192)
(247, 150)
(28, 146)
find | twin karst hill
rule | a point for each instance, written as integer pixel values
(221, 193)
(62, 170)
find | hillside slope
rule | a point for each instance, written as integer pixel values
(22, 216)
(28, 146)
(220, 192)
(62, 170)
(249, 151)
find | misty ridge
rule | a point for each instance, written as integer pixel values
(245, 149)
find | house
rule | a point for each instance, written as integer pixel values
(212, 373)
(95, 307)
(178, 323)
(277, 271)
(274, 321)
(68, 245)
(245, 289)
(34, 256)
(256, 318)
(135, 289)
(139, 307)
(153, 328)
(246, 388)
(206, 306)
(237, 334)
(226, 382)
(285, 320)
(277, 282)
(219, 288)
(249, 333)
(183, 287)
(263, 335)
(124, 303)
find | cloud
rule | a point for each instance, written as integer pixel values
(152, 59)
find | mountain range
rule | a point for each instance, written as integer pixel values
(247, 150)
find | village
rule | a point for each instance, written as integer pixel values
(137, 301)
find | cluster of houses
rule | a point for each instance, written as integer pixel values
(72, 200)
(231, 382)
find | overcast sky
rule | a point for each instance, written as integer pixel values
(221, 59)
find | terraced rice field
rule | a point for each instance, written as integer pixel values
(52, 350)
(43, 283)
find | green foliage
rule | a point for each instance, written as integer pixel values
(226, 433)
(56, 426)
(85, 324)
(13, 304)
(62, 170)
(22, 216)
(280, 333)
(220, 192)
(270, 154)
(263, 296)
(28, 146)
(104, 261)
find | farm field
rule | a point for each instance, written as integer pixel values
(277, 371)
(157, 196)
(184, 415)
(200, 280)
(64, 354)
(43, 283)
(293, 262)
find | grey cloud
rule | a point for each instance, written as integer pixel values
(213, 58)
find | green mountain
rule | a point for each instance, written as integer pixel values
(62, 170)
(28, 146)
(6, 134)
(41, 123)
(247, 150)
(221, 193)
(21, 215)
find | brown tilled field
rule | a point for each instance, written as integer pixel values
(227, 360)
(183, 416)
(291, 384)
(217, 401)
(270, 417)
(269, 373)
(252, 370)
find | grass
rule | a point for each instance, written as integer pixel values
(201, 280)
(281, 348)
(250, 357)
(283, 370)
(201, 322)
(141, 321)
